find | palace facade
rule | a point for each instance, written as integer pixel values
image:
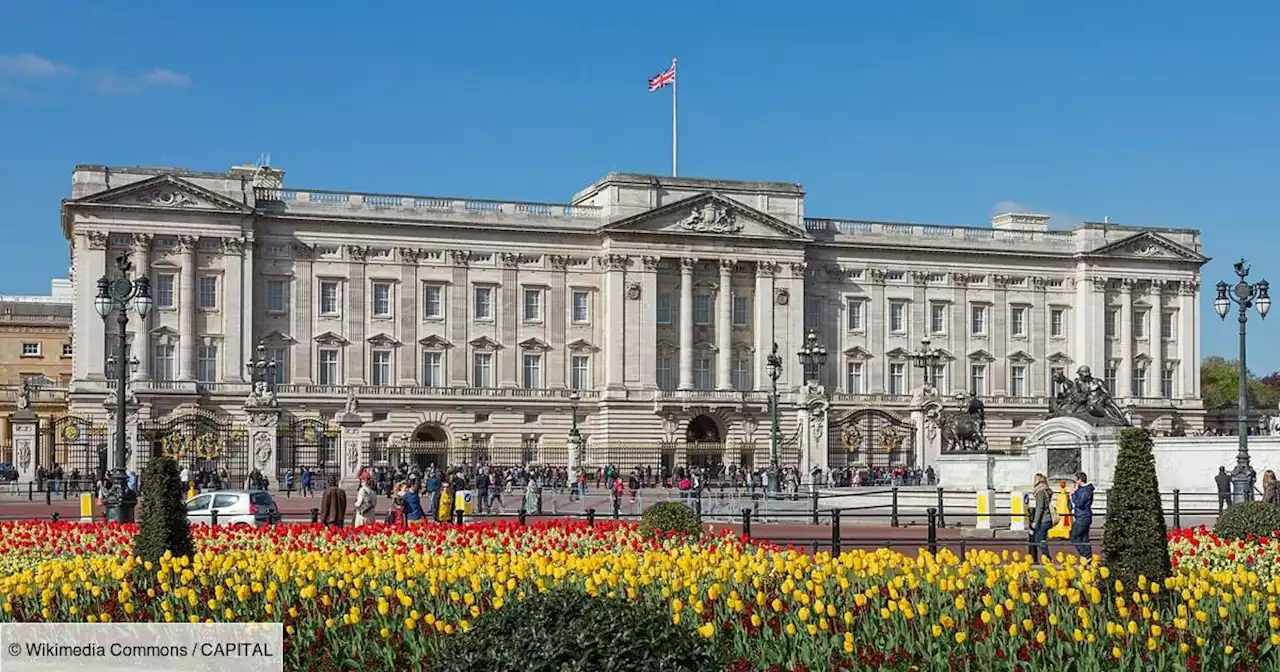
(646, 306)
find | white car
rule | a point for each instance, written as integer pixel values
(234, 507)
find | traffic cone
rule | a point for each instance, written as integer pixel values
(1063, 504)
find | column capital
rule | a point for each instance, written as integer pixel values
(1128, 284)
(234, 246)
(1100, 283)
(1188, 287)
(687, 264)
(727, 266)
(142, 242)
(650, 263)
(767, 268)
(96, 240)
(614, 262)
(187, 244)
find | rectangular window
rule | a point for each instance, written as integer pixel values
(1018, 380)
(329, 299)
(662, 374)
(978, 379)
(31, 349)
(67, 350)
(740, 374)
(853, 314)
(275, 296)
(1167, 322)
(207, 293)
(740, 311)
(381, 299)
(380, 368)
(813, 314)
(327, 367)
(1057, 323)
(938, 318)
(938, 376)
(581, 308)
(278, 373)
(1166, 383)
(664, 309)
(207, 364)
(163, 291)
(1140, 381)
(532, 305)
(432, 302)
(483, 308)
(897, 378)
(1109, 380)
(1109, 323)
(702, 309)
(1018, 321)
(162, 363)
(531, 372)
(897, 316)
(853, 378)
(1140, 323)
(580, 372)
(702, 373)
(433, 369)
(978, 320)
(482, 369)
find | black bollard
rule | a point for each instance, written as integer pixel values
(213, 517)
(457, 516)
(523, 517)
(835, 532)
(942, 517)
(48, 496)
(55, 516)
(1177, 508)
(315, 516)
(31, 491)
(933, 530)
(893, 516)
(591, 517)
(746, 523)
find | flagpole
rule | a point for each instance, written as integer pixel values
(674, 127)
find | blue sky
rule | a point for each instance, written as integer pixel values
(1152, 113)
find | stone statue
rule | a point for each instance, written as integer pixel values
(352, 404)
(262, 396)
(24, 395)
(964, 430)
(1085, 398)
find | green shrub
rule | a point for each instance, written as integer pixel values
(568, 631)
(162, 520)
(1241, 520)
(666, 517)
(1135, 540)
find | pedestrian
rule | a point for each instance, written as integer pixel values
(1270, 492)
(1223, 480)
(1082, 515)
(412, 503)
(333, 505)
(366, 502)
(1041, 518)
(306, 482)
(482, 490)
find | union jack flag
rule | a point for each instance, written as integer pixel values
(663, 78)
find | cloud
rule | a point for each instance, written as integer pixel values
(1057, 220)
(110, 82)
(32, 66)
(20, 95)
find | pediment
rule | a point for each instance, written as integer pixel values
(981, 356)
(276, 337)
(857, 353)
(664, 345)
(1148, 245)
(1142, 358)
(435, 342)
(383, 340)
(1059, 358)
(945, 354)
(1020, 356)
(743, 348)
(484, 343)
(709, 214)
(164, 331)
(330, 338)
(583, 345)
(705, 346)
(534, 344)
(165, 191)
(897, 353)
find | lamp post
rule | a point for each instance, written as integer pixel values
(773, 366)
(261, 370)
(927, 358)
(574, 442)
(117, 295)
(1245, 295)
(812, 355)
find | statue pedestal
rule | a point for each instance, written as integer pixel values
(264, 426)
(352, 447)
(814, 447)
(1060, 447)
(925, 411)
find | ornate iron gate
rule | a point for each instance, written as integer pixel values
(872, 437)
(308, 443)
(200, 441)
(79, 446)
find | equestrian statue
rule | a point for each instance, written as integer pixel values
(964, 431)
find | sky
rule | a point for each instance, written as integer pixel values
(1161, 114)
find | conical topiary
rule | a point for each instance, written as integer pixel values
(162, 520)
(1135, 540)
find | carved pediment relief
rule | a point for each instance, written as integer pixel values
(536, 344)
(165, 191)
(897, 353)
(383, 341)
(743, 348)
(664, 345)
(1142, 359)
(1059, 358)
(1149, 245)
(164, 335)
(276, 337)
(484, 343)
(857, 353)
(330, 338)
(981, 356)
(945, 354)
(1020, 357)
(582, 345)
(435, 342)
(709, 214)
(705, 346)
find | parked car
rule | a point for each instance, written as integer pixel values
(234, 507)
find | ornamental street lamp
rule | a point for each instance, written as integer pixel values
(117, 295)
(1245, 295)
(261, 369)
(927, 358)
(773, 366)
(812, 358)
(574, 441)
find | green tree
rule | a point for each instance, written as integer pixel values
(1135, 540)
(162, 521)
(1220, 380)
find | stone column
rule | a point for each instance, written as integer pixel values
(25, 430)
(648, 323)
(557, 318)
(264, 426)
(238, 288)
(140, 347)
(1124, 377)
(792, 372)
(187, 309)
(1000, 330)
(1188, 352)
(459, 302)
(875, 316)
(409, 363)
(303, 315)
(245, 292)
(1155, 334)
(724, 326)
(508, 314)
(357, 316)
(90, 263)
(762, 321)
(352, 447)
(686, 323)
(615, 305)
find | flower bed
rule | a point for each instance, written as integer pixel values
(382, 599)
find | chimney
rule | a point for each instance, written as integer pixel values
(1020, 221)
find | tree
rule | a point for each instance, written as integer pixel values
(1135, 541)
(162, 522)
(1220, 384)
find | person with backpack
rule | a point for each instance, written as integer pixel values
(366, 502)
(1042, 518)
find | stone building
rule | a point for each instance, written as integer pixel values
(463, 325)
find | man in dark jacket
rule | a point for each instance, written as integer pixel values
(333, 504)
(482, 490)
(1082, 515)
(1223, 479)
(412, 504)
